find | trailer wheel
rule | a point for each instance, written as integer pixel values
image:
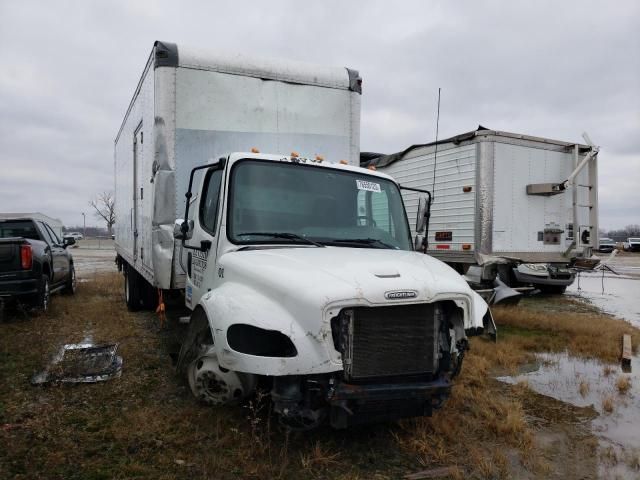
(551, 289)
(132, 289)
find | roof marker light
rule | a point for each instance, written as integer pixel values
(319, 158)
(344, 162)
(295, 154)
(372, 168)
(254, 150)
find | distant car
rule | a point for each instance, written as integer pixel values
(607, 245)
(75, 235)
(633, 244)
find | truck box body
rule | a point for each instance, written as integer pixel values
(191, 107)
(501, 195)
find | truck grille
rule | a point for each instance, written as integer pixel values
(380, 342)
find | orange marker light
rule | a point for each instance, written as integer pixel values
(372, 167)
(344, 162)
(254, 150)
(466, 246)
(466, 189)
(319, 158)
(295, 154)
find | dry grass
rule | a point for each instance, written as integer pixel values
(608, 370)
(320, 457)
(584, 388)
(608, 404)
(623, 384)
(583, 334)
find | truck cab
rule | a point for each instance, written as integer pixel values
(302, 276)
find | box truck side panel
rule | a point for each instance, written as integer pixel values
(134, 153)
(530, 223)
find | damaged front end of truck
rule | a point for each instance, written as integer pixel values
(381, 354)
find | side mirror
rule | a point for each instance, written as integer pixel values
(68, 241)
(421, 218)
(182, 230)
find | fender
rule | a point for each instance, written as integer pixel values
(234, 303)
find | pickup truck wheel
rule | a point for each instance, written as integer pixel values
(70, 285)
(44, 295)
(132, 290)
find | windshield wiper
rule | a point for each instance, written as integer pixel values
(286, 235)
(363, 241)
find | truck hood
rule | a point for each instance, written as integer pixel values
(321, 277)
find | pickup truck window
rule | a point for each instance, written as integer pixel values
(332, 207)
(52, 234)
(46, 234)
(19, 228)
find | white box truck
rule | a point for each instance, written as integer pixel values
(299, 269)
(519, 208)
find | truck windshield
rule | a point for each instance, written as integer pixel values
(327, 206)
(18, 228)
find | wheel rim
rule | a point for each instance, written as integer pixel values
(213, 385)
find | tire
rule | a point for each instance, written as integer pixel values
(198, 335)
(43, 297)
(551, 289)
(70, 285)
(132, 289)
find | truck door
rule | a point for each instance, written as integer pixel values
(137, 192)
(206, 218)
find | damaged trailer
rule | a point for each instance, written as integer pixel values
(299, 268)
(509, 210)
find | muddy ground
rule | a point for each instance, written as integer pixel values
(146, 424)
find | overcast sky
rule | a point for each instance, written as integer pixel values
(551, 69)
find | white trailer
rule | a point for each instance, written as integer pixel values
(515, 206)
(191, 107)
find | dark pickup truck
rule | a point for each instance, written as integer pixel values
(34, 263)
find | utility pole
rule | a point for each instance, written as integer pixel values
(84, 225)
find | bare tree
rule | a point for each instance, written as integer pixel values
(632, 230)
(104, 206)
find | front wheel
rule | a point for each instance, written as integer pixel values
(70, 285)
(209, 382)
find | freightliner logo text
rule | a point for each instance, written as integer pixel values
(401, 294)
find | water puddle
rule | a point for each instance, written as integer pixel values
(615, 395)
(616, 295)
